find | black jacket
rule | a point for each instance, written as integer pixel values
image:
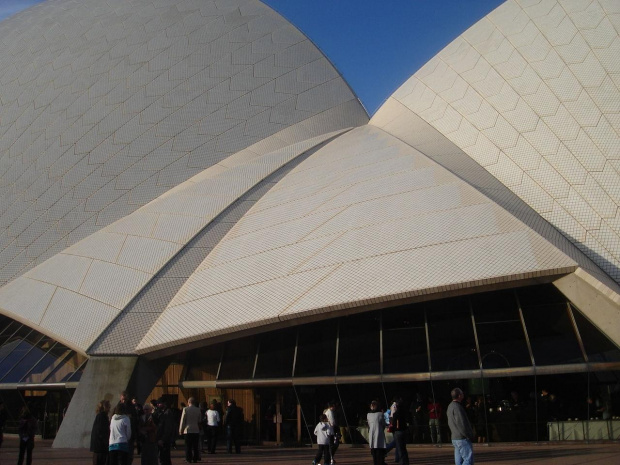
(100, 435)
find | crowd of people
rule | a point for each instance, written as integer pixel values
(395, 420)
(151, 431)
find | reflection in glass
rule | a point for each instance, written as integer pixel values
(316, 351)
(69, 366)
(239, 358)
(499, 329)
(551, 335)
(404, 340)
(26, 339)
(358, 350)
(510, 409)
(451, 336)
(275, 354)
(597, 346)
(50, 361)
(30, 358)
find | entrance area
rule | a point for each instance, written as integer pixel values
(532, 366)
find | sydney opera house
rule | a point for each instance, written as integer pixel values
(195, 203)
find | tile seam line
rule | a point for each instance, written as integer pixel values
(340, 264)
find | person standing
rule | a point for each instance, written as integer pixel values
(213, 425)
(100, 434)
(148, 436)
(130, 412)
(190, 427)
(165, 431)
(234, 422)
(399, 425)
(27, 428)
(462, 433)
(324, 433)
(120, 436)
(330, 413)
(434, 420)
(376, 433)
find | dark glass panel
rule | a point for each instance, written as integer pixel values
(11, 327)
(29, 360)
(404, 340)
(551, 335)
(316, 352)
(605, 394)
(239, 358)
(451, 335)
(534, 296)
(204, 363)
(598, 347)
(509, 413)
(13, 338)
(493, 307)
(275, 354)
(313, 401)
(63, 371)
(561, 397)
(27, 339)
(50, 361)
(5, 324)
(502, 345)
(358, 350)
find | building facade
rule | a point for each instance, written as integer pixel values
(194, 202)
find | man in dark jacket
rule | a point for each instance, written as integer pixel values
(233, 420)
(166, 429)
(462, 433)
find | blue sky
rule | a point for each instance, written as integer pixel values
(375, 44)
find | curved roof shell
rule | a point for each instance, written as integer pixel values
(107, 107)
(532, 94)
(252, 198)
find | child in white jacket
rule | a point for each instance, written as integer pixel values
(323, 432)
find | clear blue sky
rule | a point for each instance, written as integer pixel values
(375, 44)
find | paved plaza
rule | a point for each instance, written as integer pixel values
(508, 454)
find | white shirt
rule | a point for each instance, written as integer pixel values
(213, 418)
(120, 429)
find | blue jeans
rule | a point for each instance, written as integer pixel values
(401, 446)
(463, 453)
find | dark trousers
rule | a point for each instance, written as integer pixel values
(232, 437)
(378, 456)
(25, 447)
(324, 450)
(401, 445)
(192, 449)
(164, 454)
(334, 442)
(211, 438)
(100, 458)
(118, 457)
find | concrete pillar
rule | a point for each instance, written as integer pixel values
(103, 378)
(599, 303)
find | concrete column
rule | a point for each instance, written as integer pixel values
(103, 378)
(599, 303)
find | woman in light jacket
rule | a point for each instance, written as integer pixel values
(376, 433)
(120, 434)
